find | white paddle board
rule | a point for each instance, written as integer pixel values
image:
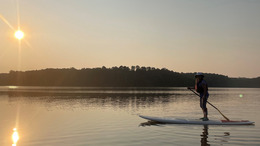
(170, 120)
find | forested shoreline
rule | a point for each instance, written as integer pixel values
(122, 76)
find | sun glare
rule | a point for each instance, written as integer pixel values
(12, 87)
(15, 137)
(19, 34)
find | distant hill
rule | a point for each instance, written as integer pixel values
(122, 76)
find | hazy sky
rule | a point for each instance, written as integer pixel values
(214, 36)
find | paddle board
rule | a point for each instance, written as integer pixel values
(170, 120)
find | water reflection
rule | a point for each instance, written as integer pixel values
(73, 98)
(106, 116)
(15, 137)
(74, 101)
(204, 136)
(89, 90)
(150, 123)
(12, 87)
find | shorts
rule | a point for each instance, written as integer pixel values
(203, 102)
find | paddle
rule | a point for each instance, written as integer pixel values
(210, 104)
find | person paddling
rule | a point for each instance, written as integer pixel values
(201, 87)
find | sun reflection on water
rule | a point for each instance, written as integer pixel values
(12, 87)
(15, 137)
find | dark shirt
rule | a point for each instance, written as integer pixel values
(200, 88)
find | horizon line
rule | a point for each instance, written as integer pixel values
(124, 66)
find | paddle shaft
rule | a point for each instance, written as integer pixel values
(211, 105)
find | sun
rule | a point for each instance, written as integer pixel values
(19, 34)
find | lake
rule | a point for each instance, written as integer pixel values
(77, 116)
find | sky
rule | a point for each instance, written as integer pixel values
(210, 36)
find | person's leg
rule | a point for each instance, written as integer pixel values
(204, 108)
(201, 106)
(205, 112)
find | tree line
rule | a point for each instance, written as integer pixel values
(122, 76)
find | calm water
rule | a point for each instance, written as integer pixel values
(108, 116)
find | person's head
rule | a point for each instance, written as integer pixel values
(199, 75)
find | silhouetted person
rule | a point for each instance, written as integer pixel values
(201, 87)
